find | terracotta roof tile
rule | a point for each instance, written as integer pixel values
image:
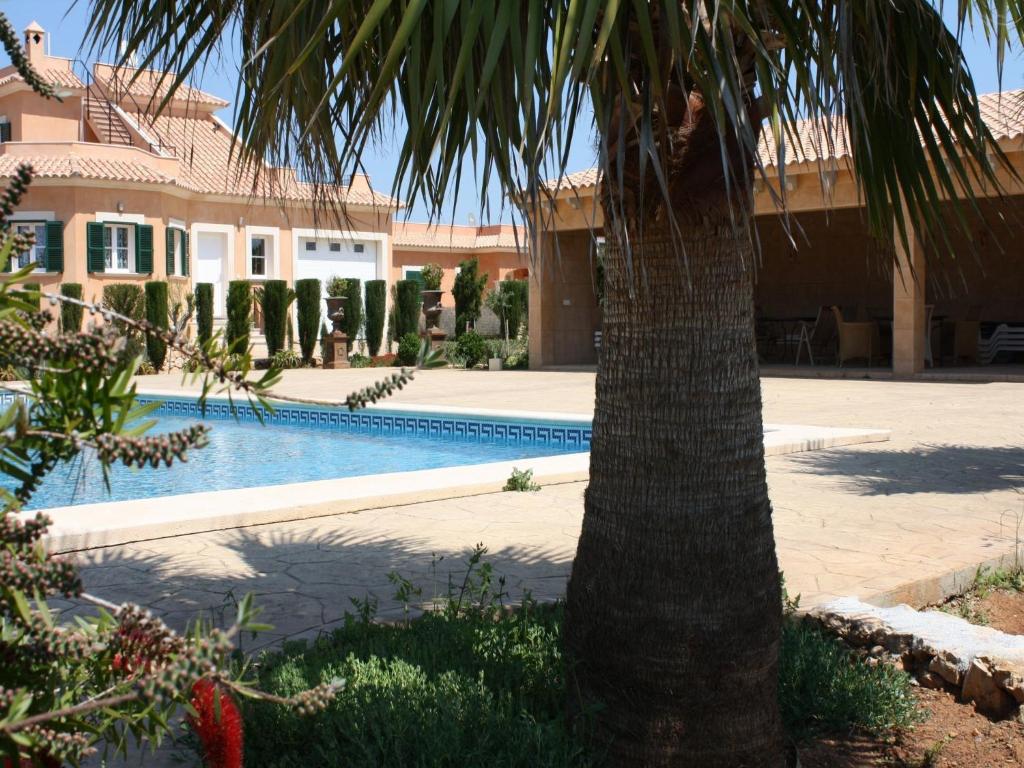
(59, 76)
(150, 86)
(71, 166)
(810, 141)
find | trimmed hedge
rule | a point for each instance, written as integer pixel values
(71, 314)
(376, 303)
(407, 309)
(204, 311)
(156, 314)
(468, 292)
(519, 307)
(125, 299)
(307, 296)
(239, 315)
(353, 308)
(408, 349)
(274, 302)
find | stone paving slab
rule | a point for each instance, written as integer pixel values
(882, 521)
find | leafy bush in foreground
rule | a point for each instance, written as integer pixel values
(408, 349)
(472, 348)
(474, 684)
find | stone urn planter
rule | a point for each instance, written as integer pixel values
(335, 343)
(432, 316)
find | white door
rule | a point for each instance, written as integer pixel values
(211, 254)
(325, 258)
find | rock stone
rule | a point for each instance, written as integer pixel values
(946, 666)
(1011, 680)
(980, 687)
(931, 680)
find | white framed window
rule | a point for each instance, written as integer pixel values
(335, 247)
(311, 245)
(118, 248)
(358, 247)
(36, 254)
(258, 257)
(177, 252)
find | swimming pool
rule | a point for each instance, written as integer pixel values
(297, 444)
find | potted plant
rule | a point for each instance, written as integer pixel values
(431, 294)
(337, 292)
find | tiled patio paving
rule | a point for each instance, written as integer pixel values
(871, 520)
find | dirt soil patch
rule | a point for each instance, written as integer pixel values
(953, 736)
(1004, 610)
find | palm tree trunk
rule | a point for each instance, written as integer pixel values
(673, 607)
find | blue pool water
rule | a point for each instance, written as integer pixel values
(298, 444)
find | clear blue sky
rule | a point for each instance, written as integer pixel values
(66, 27)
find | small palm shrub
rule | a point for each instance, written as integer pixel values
(468, 292)
(204, 311)
(156, 314)
(71, 314)
(408, 349)
(471, 347)
(376, 301)
(285, 358)
(239, 315)
(407, 308)
(307, 299)
(521, 480)
(274, 302)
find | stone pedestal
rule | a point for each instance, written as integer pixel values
(335, 346)
(435, 336)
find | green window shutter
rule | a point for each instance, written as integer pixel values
(94, 246)
(144, 249)
(186, 255)
(417, 275)
(55, 246)
(169, 242)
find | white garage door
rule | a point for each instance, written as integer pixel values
(324, 259)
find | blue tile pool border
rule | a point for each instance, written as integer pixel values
(566, 435)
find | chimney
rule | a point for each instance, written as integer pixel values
(35, 43)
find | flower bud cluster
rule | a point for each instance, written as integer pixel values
(153, 451)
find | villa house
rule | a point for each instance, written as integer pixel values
(913, 311)
(123, 195)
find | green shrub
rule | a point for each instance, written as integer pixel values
(824, 688)
(432, 274)
(360, 361)
(468, 292)
(472, 348)
(519, 307)
(125, 299)
(274, 302)
(336, 287)
(353, 308)
(239, 315)
(204, 311)
(156, 314)
(521, 480)
(286, 358)
(307, 298)
(71, 314)
(407, 308)
(409, 349)
(32, 293)
(376, 301)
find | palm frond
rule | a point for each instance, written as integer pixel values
(503, 86)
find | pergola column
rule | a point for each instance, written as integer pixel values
(908, 305)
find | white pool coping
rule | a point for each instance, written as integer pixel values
(104, 524)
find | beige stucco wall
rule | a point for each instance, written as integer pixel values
(37, 119)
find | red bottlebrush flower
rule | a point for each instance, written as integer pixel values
(221, 738)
